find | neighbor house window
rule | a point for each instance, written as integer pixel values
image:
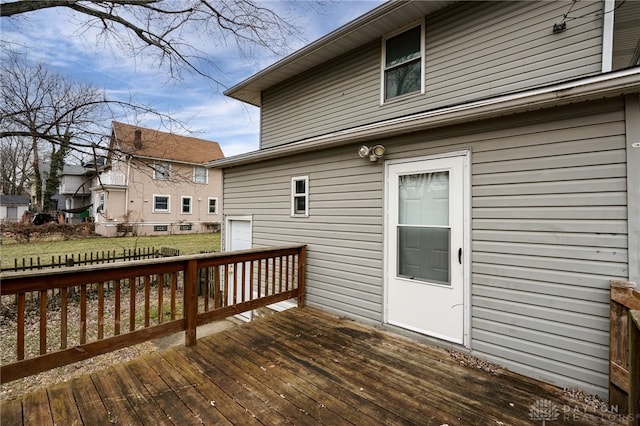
(161, 170)
(200, 175)
(403, 66)
(300, 196)
(161, 228)
(186, 205)
(161, 203)
(213, 205)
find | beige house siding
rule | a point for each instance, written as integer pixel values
(474, 50)
(548, 231)
(133, 204)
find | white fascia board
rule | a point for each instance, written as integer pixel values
(597, 87)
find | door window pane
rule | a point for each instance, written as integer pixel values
(423, 254)
(424, 199)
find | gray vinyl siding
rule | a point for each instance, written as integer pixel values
(548, 231)
(343, 231)
(474, 50)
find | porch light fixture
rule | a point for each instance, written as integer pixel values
(373, 153)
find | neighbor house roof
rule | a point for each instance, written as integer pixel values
(155, 144)
(14, 200)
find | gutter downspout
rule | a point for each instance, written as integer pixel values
(607, 35)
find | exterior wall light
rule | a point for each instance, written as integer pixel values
(373, 153)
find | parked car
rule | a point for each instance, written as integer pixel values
(42, 218)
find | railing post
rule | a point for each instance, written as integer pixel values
(190, 302)
(634, 367)
(302, 264)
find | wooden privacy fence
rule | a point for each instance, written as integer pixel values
(91, 258)
(624, 349)
(121, 304)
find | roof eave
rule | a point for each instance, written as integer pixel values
(600, 86)
(333, 44)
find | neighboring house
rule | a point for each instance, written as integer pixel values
(75, 192)
(13, 207)
(468, 171)
(155, 183)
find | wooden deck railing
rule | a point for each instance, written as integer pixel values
(624, 349)
(86, 311)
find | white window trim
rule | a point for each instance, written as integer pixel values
(423, 61)
(186, 197)
(168, 203)
(155, 170)
(206, 175)
(209, 205)
(294, 195)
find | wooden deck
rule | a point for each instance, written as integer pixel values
(300, 366)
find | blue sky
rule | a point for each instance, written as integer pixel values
(48, 37)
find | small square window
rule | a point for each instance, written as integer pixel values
(185, 205)
(160, 203)
(300, 196)
(200, 175)
(213, 206)
(161, 170)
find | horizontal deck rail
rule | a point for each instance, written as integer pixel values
(101, 308)
(624, 348)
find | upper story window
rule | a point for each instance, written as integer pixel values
(200, 175)
(300, 196)
(161, 170)
(403, 63)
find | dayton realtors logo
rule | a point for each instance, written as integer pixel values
(544, 410)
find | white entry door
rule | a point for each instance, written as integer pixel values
(238, 237)
(425, 246)
(238, 234)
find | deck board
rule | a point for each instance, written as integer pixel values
(300, 366)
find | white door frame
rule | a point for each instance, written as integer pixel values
(466, 247)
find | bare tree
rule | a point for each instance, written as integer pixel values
(16, 165)
(46, 115)
(168, 27)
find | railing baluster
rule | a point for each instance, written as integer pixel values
(243, 278)
(101, 310)
(147, 294)
(216, 287)
(132, 304)
(160, 298)
(20, 331)
(116, 320)
(286, 270)
(259, 278)
(43, 322)
(63, 317)
(225, 295)
(83, 314)
(190, 302)
(174, 286)
(280, 274)
(251, 279)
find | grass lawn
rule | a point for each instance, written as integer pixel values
(186, 243)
